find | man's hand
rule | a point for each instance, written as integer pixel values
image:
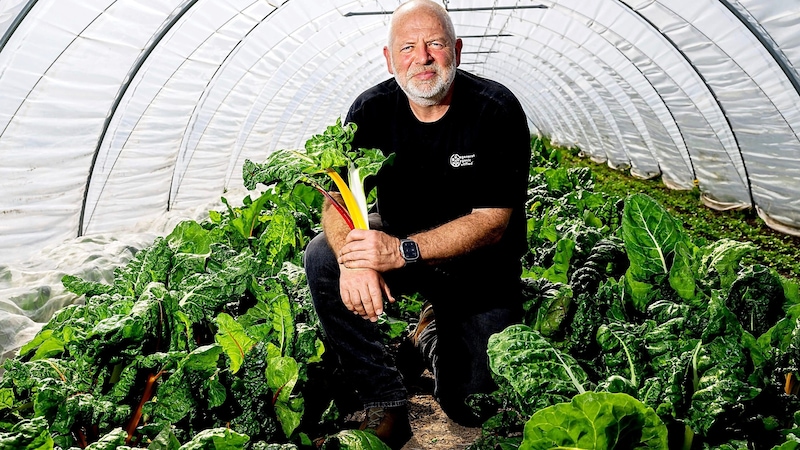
(362, 292)
(370, 249)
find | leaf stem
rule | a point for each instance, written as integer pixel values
(146, 396)
(349, 200)
(339, 208)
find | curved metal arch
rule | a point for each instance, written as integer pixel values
(242, 137)
(23, 13)
(607, 97)
(173, 190)
(663, 102)
(769, 45)
(169, 195)
(710, 91)
(542, 102)
(137, 65)
(654, 90)
(176, 176)
(634, 119)
(553, 79)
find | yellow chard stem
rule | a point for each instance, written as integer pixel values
(349, 201)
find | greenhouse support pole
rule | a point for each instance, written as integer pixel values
(16, 23)
(710, 91)
(147, 51)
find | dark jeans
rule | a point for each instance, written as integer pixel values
(467, 310)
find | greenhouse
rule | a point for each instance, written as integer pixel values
(141, 252)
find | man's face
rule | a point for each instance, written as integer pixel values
(422, 58)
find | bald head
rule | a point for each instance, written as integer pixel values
(423, 52)
(426, 7)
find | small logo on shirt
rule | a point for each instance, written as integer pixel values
(457, 160)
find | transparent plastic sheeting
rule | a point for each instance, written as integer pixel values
(114, 112)
(31, 291)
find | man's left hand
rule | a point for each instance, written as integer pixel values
(371, 249)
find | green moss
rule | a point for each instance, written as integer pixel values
(777, 250)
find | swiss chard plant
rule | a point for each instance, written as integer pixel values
(620, 290)
(325, 155)
(205, 339)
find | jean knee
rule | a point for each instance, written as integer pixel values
(322, 271)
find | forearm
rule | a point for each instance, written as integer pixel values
(480, 228)
(333, 224)
(369, 249)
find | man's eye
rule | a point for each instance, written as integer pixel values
(436, 45)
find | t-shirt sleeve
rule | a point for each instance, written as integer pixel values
(506, 151)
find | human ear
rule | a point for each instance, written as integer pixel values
(387, 54)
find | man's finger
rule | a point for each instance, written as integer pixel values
(387, 291)
(366, 302)
(376, 295)
(347, 300)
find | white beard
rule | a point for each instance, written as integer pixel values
(431, 92)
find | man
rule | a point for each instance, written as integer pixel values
(451, 222)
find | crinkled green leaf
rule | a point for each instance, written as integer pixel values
(132, 330)
(203, 294)
(164, 440)
(233, 339)
(641, 293)
(79, 286)
(286, 166)
(279, 240)
(757, 298)
(216, 439)
(596, 420)
(722, 259)
(354, 440)
(282, 374)
(282, 322)
(558, 272)
(537, 372)
(48, 343)
(682, 272)
(151, 264)
(722, 366)
(650, 234)
(112, 440)
(553, 311)
(29, 434)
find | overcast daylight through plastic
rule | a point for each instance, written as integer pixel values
(119, 117)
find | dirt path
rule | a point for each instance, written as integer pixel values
(433, 430)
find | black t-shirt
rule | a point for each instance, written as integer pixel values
(476, 156)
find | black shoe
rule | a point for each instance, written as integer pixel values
(391, 425)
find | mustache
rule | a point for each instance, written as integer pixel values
(426, 68)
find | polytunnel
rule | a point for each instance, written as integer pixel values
(121, 118)
(115, 114)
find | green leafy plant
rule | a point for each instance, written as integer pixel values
(206, 337)
(325, 155)
(595, 420)
(687, 328)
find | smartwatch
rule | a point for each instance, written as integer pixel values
(409, 250)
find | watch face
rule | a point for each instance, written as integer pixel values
(410, 250)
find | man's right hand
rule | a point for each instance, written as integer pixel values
(362, 292)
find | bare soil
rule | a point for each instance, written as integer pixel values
(433, 430)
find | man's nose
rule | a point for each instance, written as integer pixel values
(422, 55)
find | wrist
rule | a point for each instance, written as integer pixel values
(409, 251)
